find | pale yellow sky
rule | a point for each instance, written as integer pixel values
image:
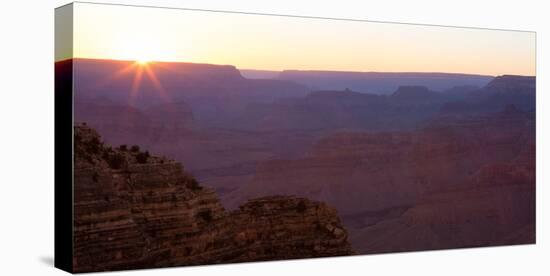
(279, 42)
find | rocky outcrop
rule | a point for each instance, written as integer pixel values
(512, 84)
(500, 92)
(134, 210)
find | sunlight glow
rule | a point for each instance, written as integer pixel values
(139, 48)
(142, 61)
(280, 43)
(141, 70)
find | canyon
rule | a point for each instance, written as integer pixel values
(400, 181)
(134, 210)
(410, 161)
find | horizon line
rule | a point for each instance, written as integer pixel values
(300, 70)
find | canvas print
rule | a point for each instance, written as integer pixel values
(201, 137)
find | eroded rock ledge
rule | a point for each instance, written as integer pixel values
(134, 210)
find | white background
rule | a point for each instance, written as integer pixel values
(26, 133)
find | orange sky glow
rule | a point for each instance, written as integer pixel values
(281, 42)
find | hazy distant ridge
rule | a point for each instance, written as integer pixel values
(372, 82)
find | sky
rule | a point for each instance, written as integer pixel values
(264, 42)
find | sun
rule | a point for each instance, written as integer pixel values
(143, 61)
(142, 50)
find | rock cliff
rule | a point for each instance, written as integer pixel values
(134, 210)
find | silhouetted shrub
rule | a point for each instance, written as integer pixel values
(105, 155)
(193, 184)
(115, 161)
(206, 215)
(123, 147)
(142, 157)
(93, 146)
(301, 207)
(134, 148)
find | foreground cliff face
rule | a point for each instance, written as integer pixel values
(133, 210)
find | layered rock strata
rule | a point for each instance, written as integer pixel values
(134, 210)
